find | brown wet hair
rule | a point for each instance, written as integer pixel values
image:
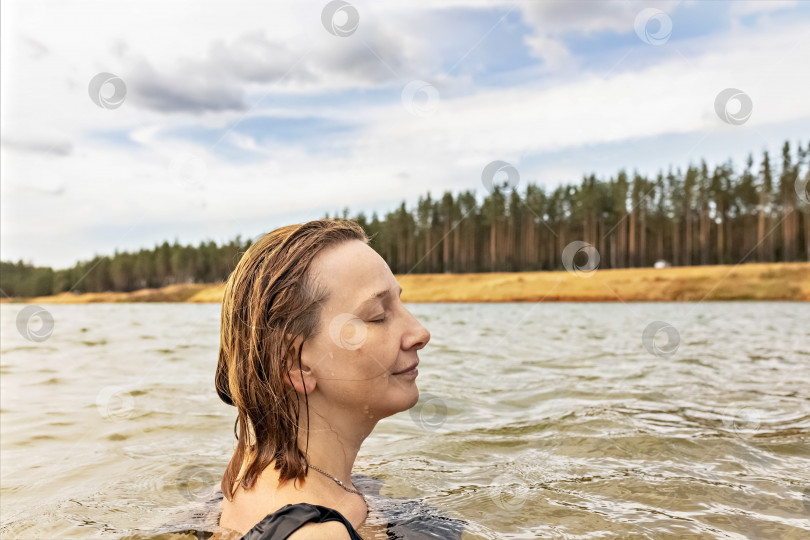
(271, 298)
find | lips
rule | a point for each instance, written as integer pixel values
(408, 368)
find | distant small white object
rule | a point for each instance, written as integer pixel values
(661, 263)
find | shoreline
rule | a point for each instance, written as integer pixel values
(745, 282)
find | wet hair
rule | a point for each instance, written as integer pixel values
(271, 299)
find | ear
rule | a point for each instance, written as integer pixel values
(301, 378)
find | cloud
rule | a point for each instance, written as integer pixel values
(219, 81)
(557, 18)
(673, 96)
(189, 88)
(35, 49)
(552, 51)
(553, 22)
(748, 7)
(56, 147)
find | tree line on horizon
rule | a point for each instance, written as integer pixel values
(693, 217)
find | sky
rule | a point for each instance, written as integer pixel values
(127, 123)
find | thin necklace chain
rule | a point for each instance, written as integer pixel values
(340, 483)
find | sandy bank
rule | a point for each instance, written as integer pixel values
(768, 281)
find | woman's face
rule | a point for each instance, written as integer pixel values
(366, 335)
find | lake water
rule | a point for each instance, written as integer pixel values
(535, 421)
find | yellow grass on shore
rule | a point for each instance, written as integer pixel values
(779, 281)
(768, 281)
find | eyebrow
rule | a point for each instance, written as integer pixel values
(376, 296)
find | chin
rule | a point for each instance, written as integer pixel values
(416, 398)
(412, 399)
(408, 399)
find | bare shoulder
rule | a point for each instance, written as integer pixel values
(333, 530)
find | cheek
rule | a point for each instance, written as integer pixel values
(356, 369)
(361, 354)
(380, 350)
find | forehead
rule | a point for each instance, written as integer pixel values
(351, 271)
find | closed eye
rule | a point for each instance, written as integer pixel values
(379, 320)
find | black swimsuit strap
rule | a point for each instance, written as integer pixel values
(289, 518)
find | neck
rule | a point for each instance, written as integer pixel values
(335, 437)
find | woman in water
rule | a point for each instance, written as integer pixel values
(316, 347)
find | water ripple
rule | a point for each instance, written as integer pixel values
(534, 421)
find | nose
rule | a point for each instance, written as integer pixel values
(417, 335)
